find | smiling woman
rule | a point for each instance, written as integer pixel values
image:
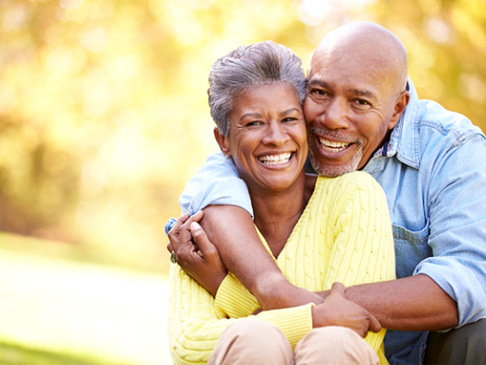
(319, 231)
(267, 138)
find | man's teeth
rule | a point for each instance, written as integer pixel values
(275, 159)
(333, 146)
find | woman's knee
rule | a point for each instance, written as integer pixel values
(252, 341)
(333, 345)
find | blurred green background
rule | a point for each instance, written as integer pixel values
(104, 117)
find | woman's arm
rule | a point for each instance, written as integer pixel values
(194, 327)
(234, 235)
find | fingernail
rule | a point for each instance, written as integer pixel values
(195, 226)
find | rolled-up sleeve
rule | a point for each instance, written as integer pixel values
(216, 183)
(458, 228)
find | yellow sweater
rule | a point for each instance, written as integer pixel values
(344, 234)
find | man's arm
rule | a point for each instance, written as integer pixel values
(233, 232)
(202, 262)
(218, 190)
(414, 303)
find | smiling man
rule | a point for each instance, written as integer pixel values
(363, 113)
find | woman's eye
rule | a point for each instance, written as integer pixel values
(253, 123)
(289, 119)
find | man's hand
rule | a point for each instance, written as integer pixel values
(336, 310)
(195, 254)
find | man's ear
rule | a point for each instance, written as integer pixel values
(400, 105)
(223, 142)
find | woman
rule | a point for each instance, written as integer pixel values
(319, 230)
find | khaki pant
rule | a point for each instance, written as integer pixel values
(254, 342)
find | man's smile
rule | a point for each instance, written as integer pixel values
(332, 146)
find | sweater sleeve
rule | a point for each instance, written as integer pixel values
(194, 327)
(233, 299)
(363, 249)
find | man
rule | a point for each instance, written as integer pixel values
(362, 113)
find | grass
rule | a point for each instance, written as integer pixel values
(63, 305)
(13, 354)
(81, 253)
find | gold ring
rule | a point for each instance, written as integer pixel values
(172, 257)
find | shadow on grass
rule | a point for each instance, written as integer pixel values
(13, 354)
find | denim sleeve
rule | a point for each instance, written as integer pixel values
(457, 237)
(216, 183)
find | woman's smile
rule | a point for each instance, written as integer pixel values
(267, 139)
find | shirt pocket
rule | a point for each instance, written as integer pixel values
(411, 247)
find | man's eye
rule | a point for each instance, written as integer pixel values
(318, 92)
(361, 103)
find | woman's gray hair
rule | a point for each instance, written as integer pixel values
(257, 64)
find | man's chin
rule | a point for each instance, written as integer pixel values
(332, 170)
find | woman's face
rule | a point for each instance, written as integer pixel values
(267, 139)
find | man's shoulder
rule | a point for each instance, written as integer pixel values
(429, 130)
(435, 120)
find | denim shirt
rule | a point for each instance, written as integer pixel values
(433, 172)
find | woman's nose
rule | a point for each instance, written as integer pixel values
(275, 134)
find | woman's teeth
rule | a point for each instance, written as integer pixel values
(275, 159)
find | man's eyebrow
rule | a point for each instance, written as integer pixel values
(356, 92)
(365, 93)
(316, 82)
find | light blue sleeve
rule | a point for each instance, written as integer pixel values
(458, 228)
(216, 183)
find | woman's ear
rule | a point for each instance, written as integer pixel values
(223, 142)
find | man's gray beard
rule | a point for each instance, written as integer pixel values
(333, 171)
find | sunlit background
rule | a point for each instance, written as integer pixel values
(104, 117)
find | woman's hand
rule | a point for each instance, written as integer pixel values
(336, 310)
(194, 252)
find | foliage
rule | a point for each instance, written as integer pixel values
(103, 112)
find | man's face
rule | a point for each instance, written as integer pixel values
(350, 108)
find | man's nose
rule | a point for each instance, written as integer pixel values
(335, 115)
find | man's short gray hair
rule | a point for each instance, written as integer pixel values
(261, 63)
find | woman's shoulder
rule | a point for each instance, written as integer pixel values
(351, 181)
(350, 177)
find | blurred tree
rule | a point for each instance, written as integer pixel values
(103, 111)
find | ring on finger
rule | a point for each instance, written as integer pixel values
(172, 257)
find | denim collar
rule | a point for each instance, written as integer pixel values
(404, 139)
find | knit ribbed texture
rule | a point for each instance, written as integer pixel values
(343, 235)
(233, 299)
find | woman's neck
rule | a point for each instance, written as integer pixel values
(276, 213)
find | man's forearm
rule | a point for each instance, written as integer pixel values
(415, 303)
(232, 231)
